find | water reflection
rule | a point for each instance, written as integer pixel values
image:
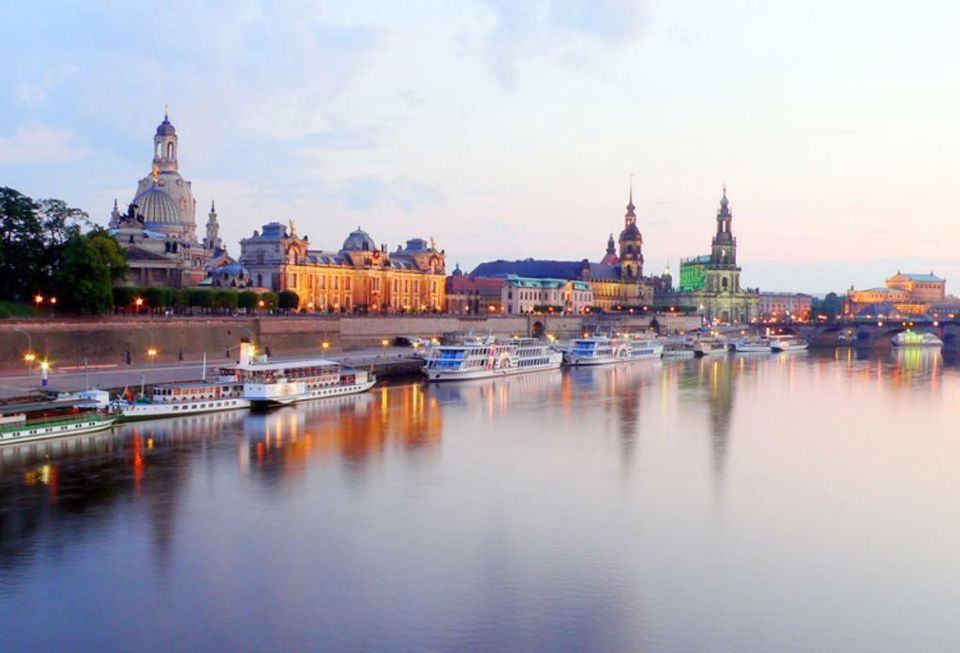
(593, 509)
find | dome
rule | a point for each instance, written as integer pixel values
(157, 207)
(166, 128)
(358, 240)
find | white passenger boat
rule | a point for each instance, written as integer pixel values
(678, 348)
(752, 345)
(709, 347)
(52, 421)
(787, 343)
(489, 357)
(170, 399)
(914, 339)
(604, 350)
(287, 382)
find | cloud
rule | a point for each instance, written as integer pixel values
(39, 144)
(34, 94)
(577, 34)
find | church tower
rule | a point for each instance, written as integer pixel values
(165, 145)
(631, 244)
(212, 241)
(724, 249)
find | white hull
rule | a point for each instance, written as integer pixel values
(784, 347)
(678, 353)
(579, 361)
(437, 374)
(324, 392)
(133, 412)
(31, 433)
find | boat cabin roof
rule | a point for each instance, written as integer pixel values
(288, 365)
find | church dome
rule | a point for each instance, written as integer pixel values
(166, 127)
(358, 241)
(157, 207)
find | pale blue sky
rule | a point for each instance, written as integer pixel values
(508, 129)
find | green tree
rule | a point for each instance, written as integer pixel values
(227, 299)
(287, 299)
(200, 298)
(83, 279)
(269, 299)
(22, 246)
(247, 299)
(123, 296)
(111, 252)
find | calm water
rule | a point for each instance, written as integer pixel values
(800, 503)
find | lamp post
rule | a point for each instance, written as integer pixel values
(29, 357)
(44, 368)
(152, 349)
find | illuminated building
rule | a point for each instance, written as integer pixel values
(360, 277)
(159, 229)
(907, 294)
(779, 305)
(526, 295)
(473, 295)
(711, 283)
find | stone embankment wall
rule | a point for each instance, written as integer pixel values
(108, 340)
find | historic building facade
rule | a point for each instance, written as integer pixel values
(527, 295)
(359, 277)
(710, 284)
(616, 281)
(904, 293)
(473, 295)
(781, 305)
(158, 230)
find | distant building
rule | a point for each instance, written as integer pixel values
(473, 295)
(780, 305)
(360, 276)
(527, 295)
(159, 229)
(711, 283)
(616, 282)
(906, 294)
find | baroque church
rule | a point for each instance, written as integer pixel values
(617, 280)
(710, 284)
(159, 228)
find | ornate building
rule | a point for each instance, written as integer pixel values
(904, 293)
(158, 229)
(616, 282)
(711, 283)
(359, 277)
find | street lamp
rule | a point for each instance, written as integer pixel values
(139, 303)
(29, 357)
(152, 353)
(325, 345)
(38, 299)
(44, 368)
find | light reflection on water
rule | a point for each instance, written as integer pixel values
(799, 502)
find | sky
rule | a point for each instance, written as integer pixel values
(511, 129)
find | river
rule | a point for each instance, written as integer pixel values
(801, 502)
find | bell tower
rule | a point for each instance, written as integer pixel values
(631, 243)
(212, 241)
(165, 145)
(724, 247)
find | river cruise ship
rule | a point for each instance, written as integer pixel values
(604, 350)
(914, 339)
(484, 358)
(45, 421)
(678, 348)
(170, 399)
(287, 382)
(787, 343)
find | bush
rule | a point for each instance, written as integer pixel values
(225, 299)
(247, 299)
(200, 298)
(287, 299)
(124, 297)
(269, 299)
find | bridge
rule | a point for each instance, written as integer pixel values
(868, 333)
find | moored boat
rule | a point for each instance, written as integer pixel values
(678, 348)
(914, 339)
(604, 350)
(478, 358)
(709, 347)
(45, 421)
(170, 399)
(750, 345)
(787, 343)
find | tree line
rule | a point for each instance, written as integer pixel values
(49, 249)
(136, 300)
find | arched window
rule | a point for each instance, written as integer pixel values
(724, 283)
(170, 151)
(260, 281)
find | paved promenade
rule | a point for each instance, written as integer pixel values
(17, 383)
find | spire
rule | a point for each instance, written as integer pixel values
(630, 207)
(213, 208)
(611, 245)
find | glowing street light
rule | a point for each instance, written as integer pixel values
(385, 342)
(325, 345)
(44, 369)
(38, 299)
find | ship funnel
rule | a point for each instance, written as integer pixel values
(246, 352)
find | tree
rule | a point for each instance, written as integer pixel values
(225, 299)
(83, 279)
(247, 299)
(112, 254)
(287, 299)
(123, 296)
(831, 305)
(22, 246)
(200, 298)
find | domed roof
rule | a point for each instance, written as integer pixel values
(358, 241)
(166, 128)
(157, 207)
